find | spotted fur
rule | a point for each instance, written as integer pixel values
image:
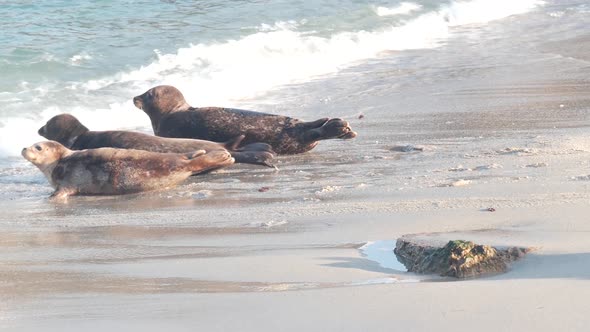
(172, 116)
(109, 171)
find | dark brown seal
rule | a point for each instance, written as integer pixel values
(171, 116)
(71, 133)
(108, 171)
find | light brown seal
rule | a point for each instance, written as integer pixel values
(71, 133)
(108, 171)
(171, 116)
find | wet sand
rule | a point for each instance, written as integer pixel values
(217, 254)
(250, 260)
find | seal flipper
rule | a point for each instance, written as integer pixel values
(202, 162)
(256, 154)
(333, 128)
(233, 143)
(195, 154)
(263, 147)
(314, 124)
(263, 158)
(348, 135)
(62, 194)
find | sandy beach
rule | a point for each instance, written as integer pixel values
(495, 125)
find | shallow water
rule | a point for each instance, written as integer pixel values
(380, 252)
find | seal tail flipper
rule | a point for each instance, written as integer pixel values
(202, 162)
(233, 143)
(314, 124)
(333, 128)
(61, 195)
(262, 147)
(195, 154)
(263, 158)
(256, 154)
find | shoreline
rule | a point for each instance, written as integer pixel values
(446, 134)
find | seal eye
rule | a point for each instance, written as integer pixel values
(38, 147)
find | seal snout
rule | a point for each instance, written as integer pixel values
(27, 154)
(138, 102)
(42, 131)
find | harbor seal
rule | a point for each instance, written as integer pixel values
(109, 171)
(171, 116)
(67, 130)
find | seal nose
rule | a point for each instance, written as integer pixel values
(41, 131)
(137, 102)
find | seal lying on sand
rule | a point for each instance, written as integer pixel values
(171, 116)
(68, 131)
(109, 171)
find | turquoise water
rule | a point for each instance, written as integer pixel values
(49, 41)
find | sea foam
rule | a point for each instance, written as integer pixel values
(402, 9)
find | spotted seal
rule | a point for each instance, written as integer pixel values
(172, 116)
(109, 171)
(67, 130)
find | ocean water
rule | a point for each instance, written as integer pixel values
(90, 58)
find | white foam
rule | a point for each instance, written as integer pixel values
(80, 58)
(402, 9)
(280, 25)
(483, 11)
(19, 132)
(240, 69)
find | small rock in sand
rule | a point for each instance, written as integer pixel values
(518, 151)
(536, 165)
(459, 168)
(202, 194)
(407, 148)
(268, 224)
(458, 183)
(327, 189)
(487, 167)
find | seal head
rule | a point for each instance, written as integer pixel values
(63, 128)
(45, 155)
(157, 102)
